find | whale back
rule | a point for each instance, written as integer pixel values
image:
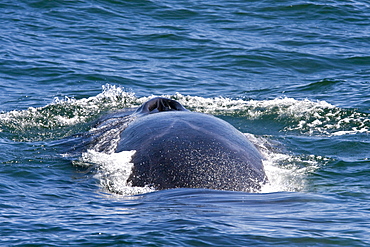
(178, 148)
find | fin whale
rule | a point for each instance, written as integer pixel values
(177, 148)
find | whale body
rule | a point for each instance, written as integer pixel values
(177, 148)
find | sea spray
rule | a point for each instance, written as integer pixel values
(285, 172)
(113, 171)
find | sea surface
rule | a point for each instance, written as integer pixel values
(294, 76)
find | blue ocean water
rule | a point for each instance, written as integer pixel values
(294, 76)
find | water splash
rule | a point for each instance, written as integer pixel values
(62, 117)
(285, 172)
(113, 171)
(306, 116)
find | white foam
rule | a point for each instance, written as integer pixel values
(113, 171)
(287, 173)
(306, 116)
(284, 172)
(111, 98)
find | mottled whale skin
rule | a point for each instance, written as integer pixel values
(177, 148)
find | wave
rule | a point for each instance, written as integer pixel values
(63, 117)
(67, 116)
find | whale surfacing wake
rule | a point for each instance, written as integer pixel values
(177, 148)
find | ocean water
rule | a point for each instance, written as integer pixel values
(294, 76)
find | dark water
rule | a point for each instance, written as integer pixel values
(293, 75)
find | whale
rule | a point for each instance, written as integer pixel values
(178, 148)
